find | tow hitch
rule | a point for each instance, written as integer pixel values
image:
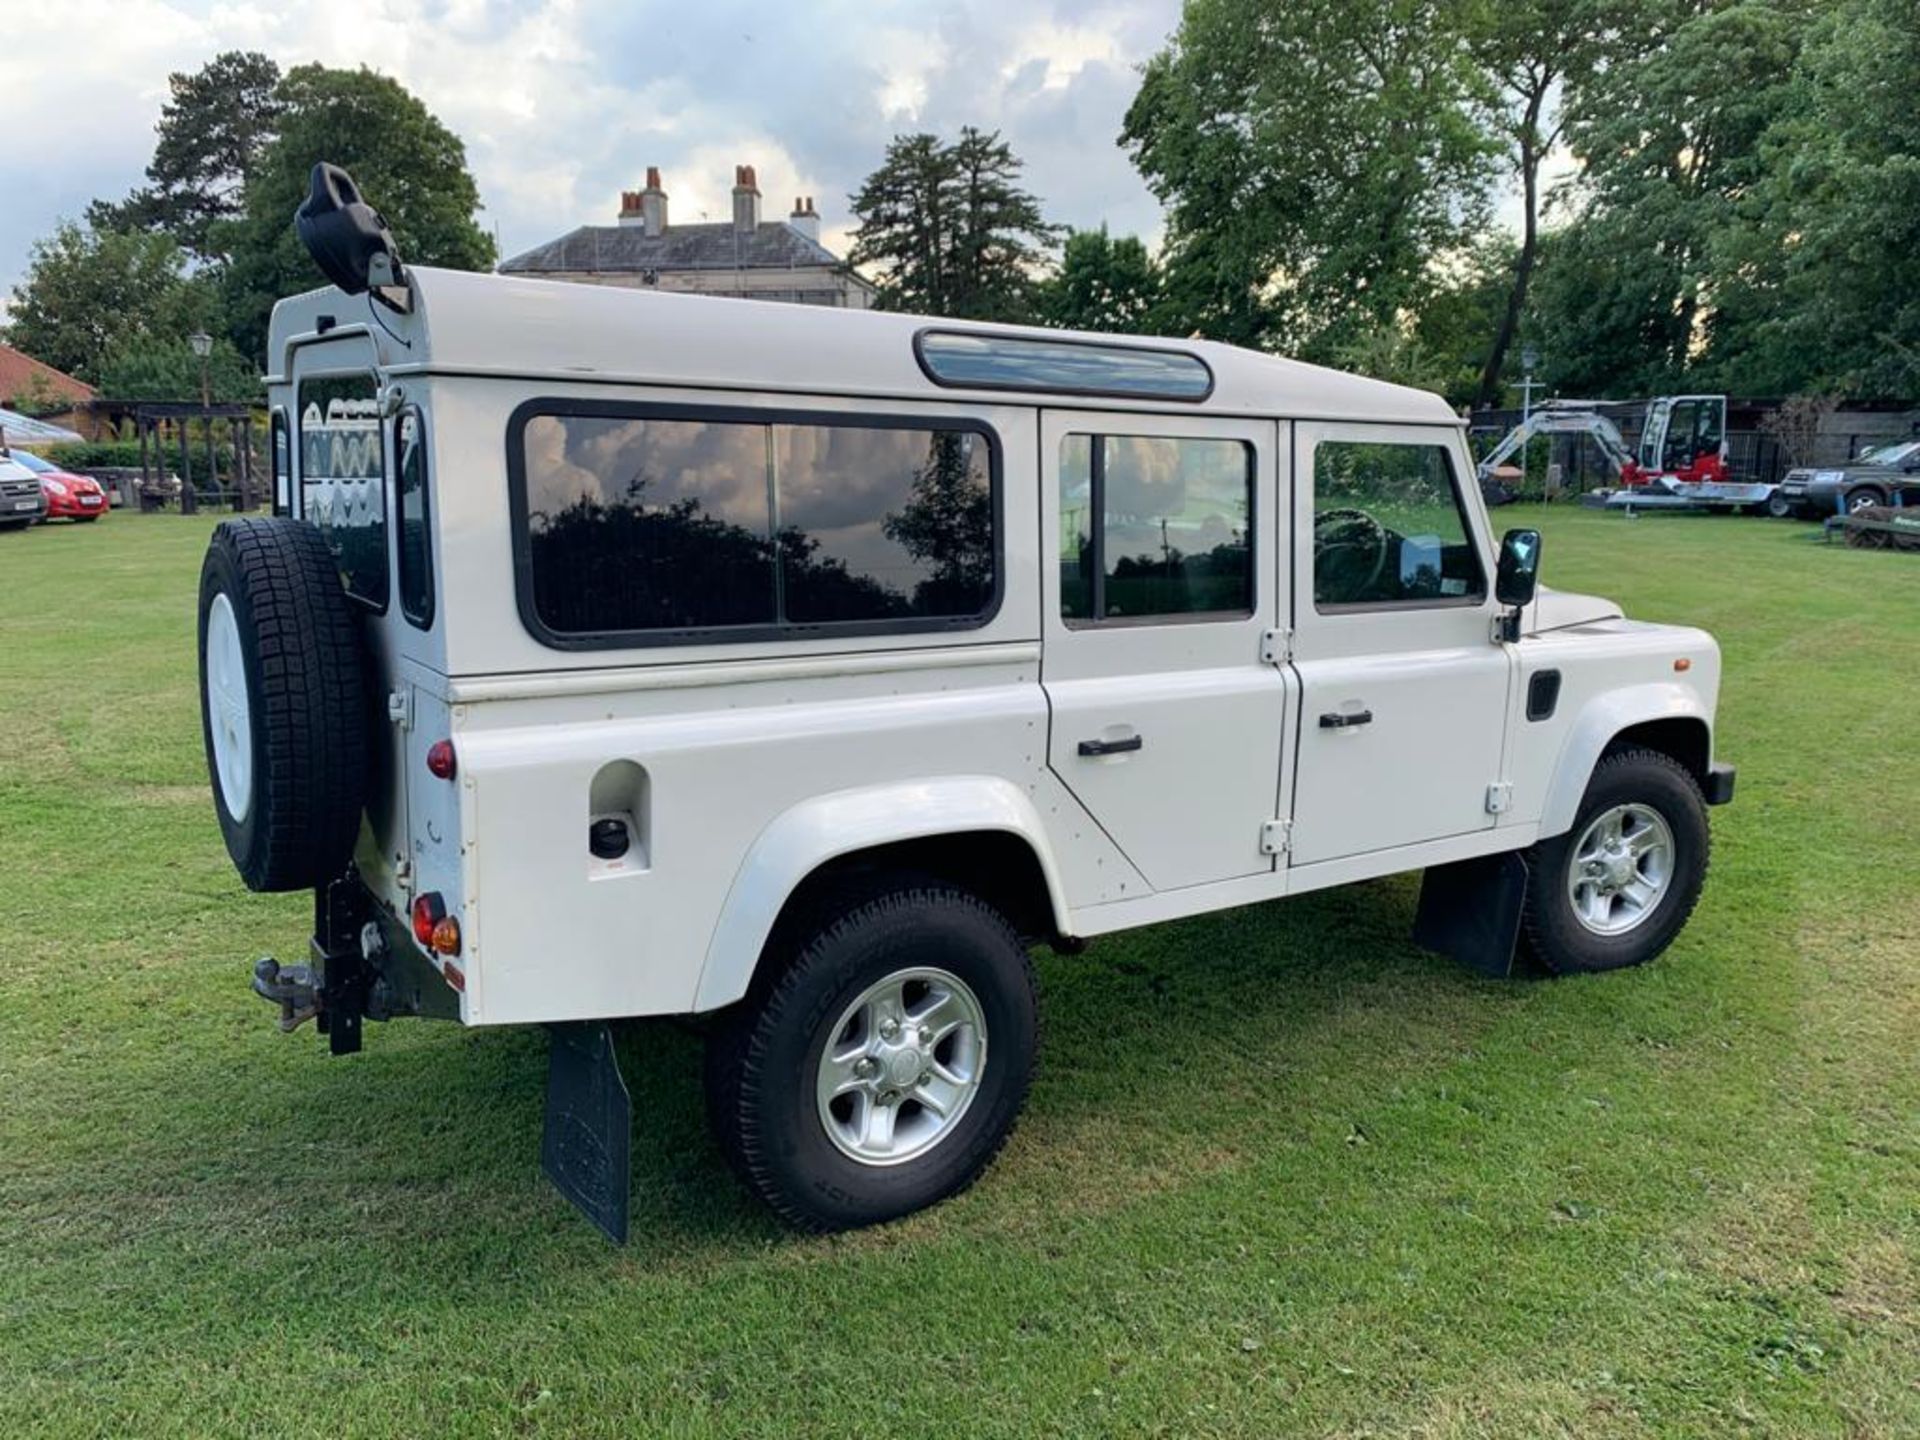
(294, 988)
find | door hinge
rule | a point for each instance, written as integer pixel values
(1276, 837)
(400, 707)
(1276, 647)
(1499, 797)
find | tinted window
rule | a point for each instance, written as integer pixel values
(1388, 528)
(416, 531)
(665, 523)
(343, 480)
(1154, 526)
(1011, 362)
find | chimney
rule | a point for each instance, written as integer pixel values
(805, 218)
(646, 207)
(746, 200)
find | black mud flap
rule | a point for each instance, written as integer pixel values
(1470, 912)
(587, 1144)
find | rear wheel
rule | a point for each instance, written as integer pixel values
(882, 1067)
(1616, 888)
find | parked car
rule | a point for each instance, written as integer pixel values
(68, 496)
(797, 668)
(1884, 475)
(21, 501)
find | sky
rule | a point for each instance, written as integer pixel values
(562, 104)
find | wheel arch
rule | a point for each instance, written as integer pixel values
(1669, 718)
(980, 832)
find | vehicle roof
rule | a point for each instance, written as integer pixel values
(508, 326)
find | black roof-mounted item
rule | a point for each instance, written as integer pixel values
(349, 240)
(979, 360)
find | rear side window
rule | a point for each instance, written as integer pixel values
(1389, 529)
(343, 484)
(416, 530)
(638, 525)
(1154, 527)
(282, 455)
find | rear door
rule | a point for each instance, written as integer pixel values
(1167, 725)
(341, 470)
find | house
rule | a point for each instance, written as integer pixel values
(36, 389)
(745, 257)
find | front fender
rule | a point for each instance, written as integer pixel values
(1604, 717)
(802, 839)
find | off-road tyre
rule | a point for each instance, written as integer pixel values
(1552, 934)
(306, 702)
(1864, 497)
(762, 1057)
(1779, 506)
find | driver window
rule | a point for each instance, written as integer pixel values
(1388, 528)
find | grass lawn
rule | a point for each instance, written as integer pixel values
(1282, 1172)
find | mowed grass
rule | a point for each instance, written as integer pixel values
(1282, 1172)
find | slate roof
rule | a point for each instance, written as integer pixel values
(772, 245)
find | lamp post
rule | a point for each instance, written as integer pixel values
(202, 344)
(1529, 360)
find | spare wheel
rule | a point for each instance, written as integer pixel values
(282, 702)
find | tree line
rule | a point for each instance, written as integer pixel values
(1742, 211)
(1655, 195)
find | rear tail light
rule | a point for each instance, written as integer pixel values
(446, 936)
(440, 760)
(428, 911)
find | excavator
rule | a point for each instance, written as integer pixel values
(1681, 462)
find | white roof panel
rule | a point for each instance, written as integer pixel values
(504, 325)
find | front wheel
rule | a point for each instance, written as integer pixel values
(1779, 506)
(883, 1067)
(1616, 888)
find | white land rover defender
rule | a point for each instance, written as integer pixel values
(616, 653)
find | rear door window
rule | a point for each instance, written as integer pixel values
(343, 483)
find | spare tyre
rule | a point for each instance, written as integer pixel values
(282, 702)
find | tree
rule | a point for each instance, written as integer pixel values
(1103, 283)
(948, 229)
(1526, 52)
(410, 165)
(1315, 157)
(1822, 287)
(1669, 135)
(89, 293)
(212, 133)
(150, 369)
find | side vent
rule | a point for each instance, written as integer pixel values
(1543, 694)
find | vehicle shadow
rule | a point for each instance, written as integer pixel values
(1143, 1033)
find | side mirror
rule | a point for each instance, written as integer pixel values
(1519, 572)
(348, 239)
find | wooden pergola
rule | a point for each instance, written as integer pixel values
(151, 419)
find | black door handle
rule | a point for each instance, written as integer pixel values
(1111, 747)
(1336, 720)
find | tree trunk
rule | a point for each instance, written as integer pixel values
(1530, 158)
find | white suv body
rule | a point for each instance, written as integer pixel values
(1178, 662)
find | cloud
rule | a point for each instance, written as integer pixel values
(564, 103)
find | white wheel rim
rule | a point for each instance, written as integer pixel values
(901, 1066)
(1621, 869)
(229, 718)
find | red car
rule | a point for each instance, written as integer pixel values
(69, 496)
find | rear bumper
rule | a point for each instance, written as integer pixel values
(1719, 785)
